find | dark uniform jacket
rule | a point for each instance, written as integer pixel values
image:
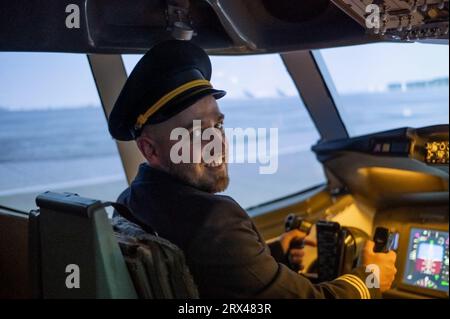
(226, 254)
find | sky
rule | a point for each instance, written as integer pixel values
(56, 80)
(373, 67)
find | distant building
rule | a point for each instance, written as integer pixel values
(416, 85)
(434, 83)
(248, 94)
(395, 87)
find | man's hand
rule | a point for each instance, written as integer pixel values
(385, 262)
(295, 255)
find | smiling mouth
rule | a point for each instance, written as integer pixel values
(216, 164)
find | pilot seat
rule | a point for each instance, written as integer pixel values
(76, 251)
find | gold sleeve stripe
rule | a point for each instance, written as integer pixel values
(363, 286)
(357, 283)
(361, 292)
(167, 98)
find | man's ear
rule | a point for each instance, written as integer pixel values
(148, 148)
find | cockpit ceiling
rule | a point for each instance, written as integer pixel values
(220, 26)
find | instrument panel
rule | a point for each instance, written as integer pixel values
(423, 251)
(429, 145)
(437, 152)
(426, 263)
(406, 20)
(402, 175)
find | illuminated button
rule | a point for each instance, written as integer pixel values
(433, 13)
(437, 152)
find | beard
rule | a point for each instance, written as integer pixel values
(208, 179)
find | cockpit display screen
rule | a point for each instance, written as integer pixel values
(427, 263)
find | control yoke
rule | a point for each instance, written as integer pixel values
(338, 247)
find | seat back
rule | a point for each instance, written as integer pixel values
(74, 253)
(158, 267)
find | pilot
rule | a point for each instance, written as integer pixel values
(167, 91)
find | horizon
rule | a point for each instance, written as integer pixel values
(245, 98)
(54, 80)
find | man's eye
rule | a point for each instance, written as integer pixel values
(219, 126)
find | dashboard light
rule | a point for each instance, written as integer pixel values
(437, 152)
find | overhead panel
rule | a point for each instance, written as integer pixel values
(219, 26)
(405, 20)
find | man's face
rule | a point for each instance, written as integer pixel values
(210, 175)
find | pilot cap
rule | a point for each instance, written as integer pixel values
(169, 78)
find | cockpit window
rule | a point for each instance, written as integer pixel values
(379, 87)
(53, 132)
(261, 95)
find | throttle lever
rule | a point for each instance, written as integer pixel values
(385, 240)
(294, 222)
